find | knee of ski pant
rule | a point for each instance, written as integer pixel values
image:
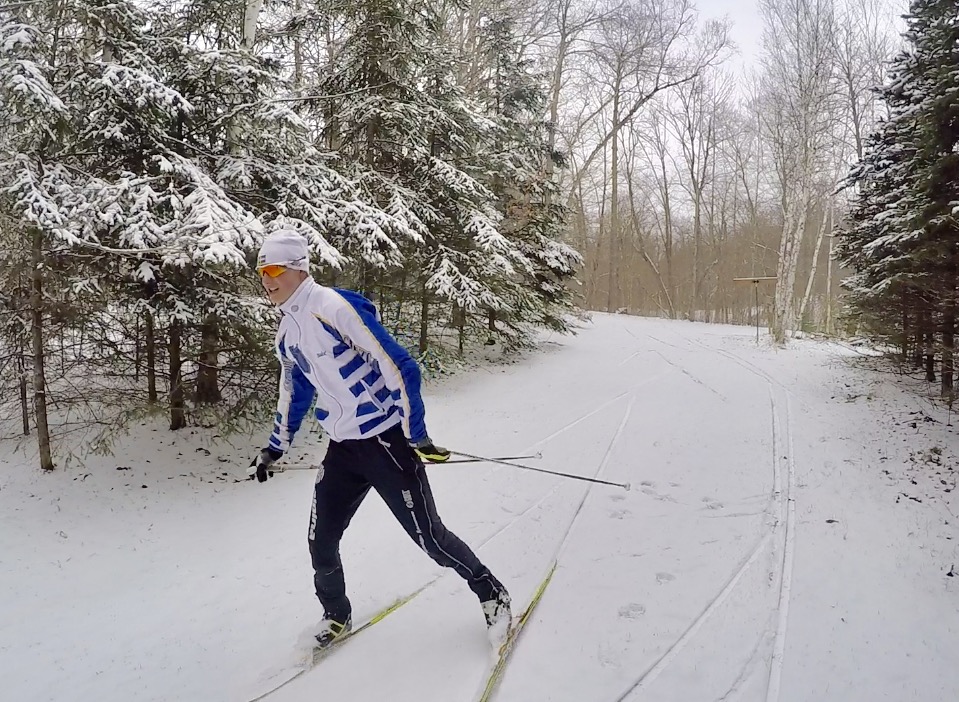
(323, 553)
(433, 543)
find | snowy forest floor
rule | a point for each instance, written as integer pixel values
(790, 535)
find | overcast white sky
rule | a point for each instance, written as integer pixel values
(747, 26)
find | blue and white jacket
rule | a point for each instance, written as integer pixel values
(332, 348)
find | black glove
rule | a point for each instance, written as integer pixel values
(260, 466)
(428, 451)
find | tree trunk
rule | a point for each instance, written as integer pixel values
(815, 262)
(949, 331)
(61, 333)
(424, 318)
(400, 299)
(793, 224)
(39, 379)
(668, 234)
(137, 350)
(150, 333)
(251, 13)
(917, 343)
(928, 345)
(297, 50)
(24, 405)
(177, 404)
(612, 299)
(367, 281)
(207, 378)
(555, 89)
(905, 337)
(697, 250)
(641, 248)
(829, 287)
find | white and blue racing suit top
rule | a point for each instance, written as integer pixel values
(332, 348)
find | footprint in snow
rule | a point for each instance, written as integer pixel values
(712, 504)
(633, 610)
(617, 498)
(664, 577)
(657, 496)
(619, 514)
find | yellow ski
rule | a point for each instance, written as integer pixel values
(506, 649)
(320, 653)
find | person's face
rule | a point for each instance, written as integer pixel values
(280, 282)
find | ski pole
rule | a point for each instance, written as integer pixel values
(498, 458)
(587, 479)
(307, 466)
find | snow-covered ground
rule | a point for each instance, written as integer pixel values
(790, 535)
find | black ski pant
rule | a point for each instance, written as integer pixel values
(390, 466)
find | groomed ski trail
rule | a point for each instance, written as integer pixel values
(491, 681)
(788, 521)
(781, 498)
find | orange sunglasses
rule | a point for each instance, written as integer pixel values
(273, 270)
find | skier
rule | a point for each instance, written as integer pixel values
(332, 348)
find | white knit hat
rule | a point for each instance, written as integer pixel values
(285, 247)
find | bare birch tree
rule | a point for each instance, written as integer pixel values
(695, 123)
(800, 101)
(653, 142)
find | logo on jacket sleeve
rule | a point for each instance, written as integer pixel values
(300, 359)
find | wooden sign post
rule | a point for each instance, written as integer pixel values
(755, 281)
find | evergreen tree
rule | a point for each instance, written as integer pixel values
(514, 96)
(903, 234)
(406, 134)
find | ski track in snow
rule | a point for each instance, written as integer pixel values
(782, 441)
(554, 561)
(566, 427)
(781, 496)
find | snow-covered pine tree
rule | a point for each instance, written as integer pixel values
(468, 257)
(15, 279)
(122, 185)
(405, 133)
(936, 31)
(40, 195)
(902, 238)
(519, 162)
(876, 240)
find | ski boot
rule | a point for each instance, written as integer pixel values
(331, 630)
